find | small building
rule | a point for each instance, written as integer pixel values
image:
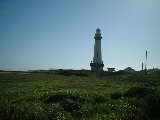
(129, 70)
(111, 69)
(154, 70)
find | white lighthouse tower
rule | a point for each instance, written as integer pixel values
(97, 64)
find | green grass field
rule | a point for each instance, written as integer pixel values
(49, 96)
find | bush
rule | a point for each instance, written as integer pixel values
(70, 105)
(89, 110)
(69, 102)
(26, 111)
(116, 95)
(138, 91)
(60, 96)
(96, 98)
(151, 107)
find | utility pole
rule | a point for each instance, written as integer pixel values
(142, 67)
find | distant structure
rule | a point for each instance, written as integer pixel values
(111, 69)
(97, 64)
(146, 63)
(129, 70)
(154, 70)
(142, 67)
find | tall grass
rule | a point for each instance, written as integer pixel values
(50, 96)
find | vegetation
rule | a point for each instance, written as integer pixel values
(42, 96)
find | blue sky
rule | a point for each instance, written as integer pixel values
(39, 34)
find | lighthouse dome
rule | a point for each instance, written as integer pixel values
(98, 31)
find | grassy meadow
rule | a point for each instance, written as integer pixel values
(42, 96)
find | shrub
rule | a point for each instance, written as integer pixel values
(97, 98)
(116, 95)
(137, 91)
(70, 105)
(89, 110)
(56, 97)
(151, 107)
(69, 102)
(60, 96)
(27, 112)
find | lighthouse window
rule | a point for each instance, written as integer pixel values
(97, 54)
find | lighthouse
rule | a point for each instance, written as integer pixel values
(97, 63)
